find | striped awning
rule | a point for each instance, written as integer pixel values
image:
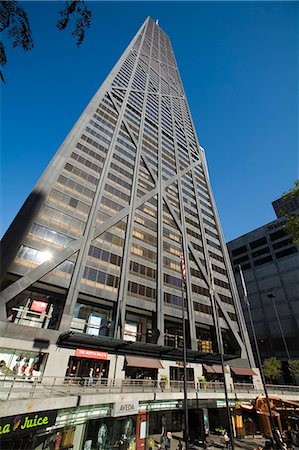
(243, 371)
(213, 369)
(145, 363)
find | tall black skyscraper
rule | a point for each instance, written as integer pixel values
(99, 239)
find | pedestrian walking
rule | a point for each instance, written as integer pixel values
(90, 379)
(227, 440)
(168, 440)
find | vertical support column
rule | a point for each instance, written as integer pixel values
(190, 311)
(122, 292)
(160, 275)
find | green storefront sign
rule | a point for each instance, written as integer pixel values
(22, 423)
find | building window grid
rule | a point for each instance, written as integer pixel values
(76, 173)
(59, 199)
(94, 144)
(86, 162)
(68, 186)
(63, 222)
(91, 153)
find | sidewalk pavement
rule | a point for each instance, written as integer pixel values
(215, 442)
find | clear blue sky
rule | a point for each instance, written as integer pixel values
(239, 66)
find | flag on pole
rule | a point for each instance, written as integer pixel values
(184, 273)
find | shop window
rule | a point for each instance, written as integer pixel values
(173, 334)
(138, 327)
(34, 309)
(111, 433)
(81, 368)
(205, 340)
(21, 364)
(92, 319)
(177, 376)
(141, 373)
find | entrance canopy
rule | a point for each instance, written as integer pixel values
(146, 363)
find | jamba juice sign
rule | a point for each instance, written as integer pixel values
(26, 423)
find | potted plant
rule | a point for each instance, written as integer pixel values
(151, 443)
(201, 379)
(163, 381)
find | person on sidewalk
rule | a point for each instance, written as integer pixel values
(180, 445)
(227, 440)
(90, 377)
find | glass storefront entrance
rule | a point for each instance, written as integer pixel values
(111, 433)
(80, 367)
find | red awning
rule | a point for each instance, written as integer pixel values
(243, 371)
(208, 369)
(217, 369)
(213, 369)
(146, 363)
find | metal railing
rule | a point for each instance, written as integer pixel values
(19, 388)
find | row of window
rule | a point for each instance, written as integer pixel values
(102, 279)
(146, 237)
(261, 242)
(49, 235)
(67, 202)
(172, 281)
(93, 143)
(116, 192)
(63, 221)
(142, 270)
(38, 257)
(103, 255)
(81, 174)
(86, 162)
(139, 290)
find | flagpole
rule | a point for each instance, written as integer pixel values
(186, 418)
(260, 366)
(221, 352)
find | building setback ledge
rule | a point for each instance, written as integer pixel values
(120, 347)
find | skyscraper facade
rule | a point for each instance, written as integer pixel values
(91, 263)
(269, 260)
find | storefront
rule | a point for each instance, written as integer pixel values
(19, 432)
(141, 368)
(213, 373)
(242, 375)
(177, 376)
(85, 362)
(111, 433)
(21, 363)
(173, 421)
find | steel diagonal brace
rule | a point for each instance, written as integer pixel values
(43, 269)
(205, 275)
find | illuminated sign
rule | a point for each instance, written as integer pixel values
(38, 306)
(94, 354)
(26, 422)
